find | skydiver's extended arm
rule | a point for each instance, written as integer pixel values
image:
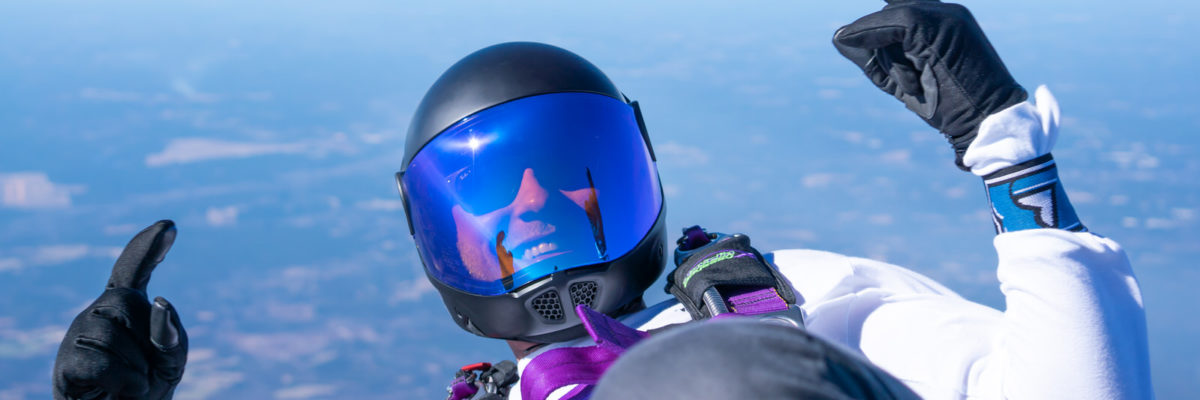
(1074, 326)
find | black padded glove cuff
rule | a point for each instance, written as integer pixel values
(727, 262)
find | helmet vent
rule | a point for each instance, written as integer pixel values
(548, 306)
(584, 293)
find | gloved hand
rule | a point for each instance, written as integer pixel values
(121, 346)
(933, 57)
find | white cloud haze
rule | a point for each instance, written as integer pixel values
(19, 258)
(221, 216)
(35, 190)
(191, 150)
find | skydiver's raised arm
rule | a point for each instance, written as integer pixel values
(1074, 326)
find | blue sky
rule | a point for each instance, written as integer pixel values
(270, 131)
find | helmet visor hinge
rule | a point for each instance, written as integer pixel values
(404, 199)
(637, 113)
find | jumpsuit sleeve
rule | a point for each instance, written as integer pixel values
(1074, 325)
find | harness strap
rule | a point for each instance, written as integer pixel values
(564, 366)
(754, 301)
(608, 332)
(581, 366)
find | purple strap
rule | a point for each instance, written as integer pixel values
(564, 366)
(461, 390)
(607, 332)
(581, 366)
(756, 301)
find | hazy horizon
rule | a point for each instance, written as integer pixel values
(270, 132)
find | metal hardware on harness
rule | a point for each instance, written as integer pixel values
(793, 316)
(714, 302)
(483, 381)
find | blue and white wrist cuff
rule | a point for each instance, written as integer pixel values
(1029, 196)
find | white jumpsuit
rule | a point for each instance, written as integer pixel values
(1073, 327)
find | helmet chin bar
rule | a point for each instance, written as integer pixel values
(543, 311)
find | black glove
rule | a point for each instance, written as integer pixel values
(121, 346)
(934, 58)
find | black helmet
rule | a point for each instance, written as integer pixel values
(530, 188)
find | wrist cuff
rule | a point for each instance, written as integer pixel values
(1029, 196)
(1015, 134)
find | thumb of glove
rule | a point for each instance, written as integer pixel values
(169, 340)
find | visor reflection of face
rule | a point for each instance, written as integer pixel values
(515, 192)
(522, 238)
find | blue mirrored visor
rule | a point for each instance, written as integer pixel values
(531, 187)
